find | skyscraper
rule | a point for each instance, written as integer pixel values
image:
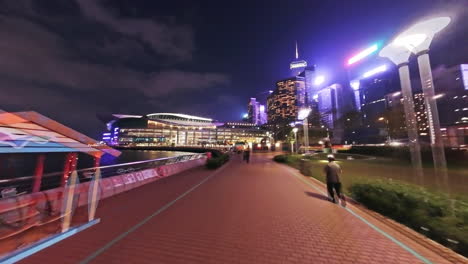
(451, 83)
(297, 66)
(330, 104)
(396, 115)
(284, 103)
(256, 112)
(308, 73)
(372, 99)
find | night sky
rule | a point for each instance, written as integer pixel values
(75, 60)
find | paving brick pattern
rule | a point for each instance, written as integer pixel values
(248, 213)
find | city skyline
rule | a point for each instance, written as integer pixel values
(124, 65)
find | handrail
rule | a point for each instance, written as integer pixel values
(114, 169)
(136, 162)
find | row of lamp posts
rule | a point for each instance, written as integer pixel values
(417, 40)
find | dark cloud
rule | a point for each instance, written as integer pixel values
(176, 80)
(172, 40)
(71, 77)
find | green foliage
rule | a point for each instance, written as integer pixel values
(280, 158)
(416, 207)
(292, 160)
(217, 161)
(377, 184)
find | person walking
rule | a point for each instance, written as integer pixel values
(247, 154)
(333, 171)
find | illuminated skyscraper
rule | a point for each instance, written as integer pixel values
(284, 103)
(308, 73)
(330, 104)
(452, 84)
(297, 66)
(396, 116)
(256, 112)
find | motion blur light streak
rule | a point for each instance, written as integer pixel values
(363, 54)
(374, 71)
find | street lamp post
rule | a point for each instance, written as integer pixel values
(295, 138)
(387, 126)
(417, 39)
(303, 115)
(400, 57)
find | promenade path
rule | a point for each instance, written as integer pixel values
(260, 212)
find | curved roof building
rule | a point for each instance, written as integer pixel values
(176, 129)
(181, 119)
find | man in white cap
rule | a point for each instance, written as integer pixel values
(333, 171)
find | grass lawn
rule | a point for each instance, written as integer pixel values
(436, 208)
(363, 168)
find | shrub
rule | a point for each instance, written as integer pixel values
(280, 158)
(217, 161)
(416, 207)
(291, 160)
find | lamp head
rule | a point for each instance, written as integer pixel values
(395, 53)
(355, 84)
(319, 80)
(295, 130)
(303, 113)
(419, 36)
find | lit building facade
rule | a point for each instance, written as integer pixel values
(455, 136)
(329, 104)
(172, 129)
(284, 103)
(452, 84)
(421, 115)
(256, 112)
(370, 100)
(396, 115)
(310, 89)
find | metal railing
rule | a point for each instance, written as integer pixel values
(23, 185)
(59, 212)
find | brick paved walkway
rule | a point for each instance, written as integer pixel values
(247, 213)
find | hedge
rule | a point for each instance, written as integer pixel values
(292, 160)
(217, 161)
(435, 215)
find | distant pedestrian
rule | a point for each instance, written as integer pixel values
(333, 171)
(247, 154)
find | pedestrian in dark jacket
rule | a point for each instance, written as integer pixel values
(247, 154)
(333, 172)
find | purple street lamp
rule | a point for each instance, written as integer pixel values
(400, 56)
(303, 115)
(417, 40)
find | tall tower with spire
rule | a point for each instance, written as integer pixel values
(297, 66)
